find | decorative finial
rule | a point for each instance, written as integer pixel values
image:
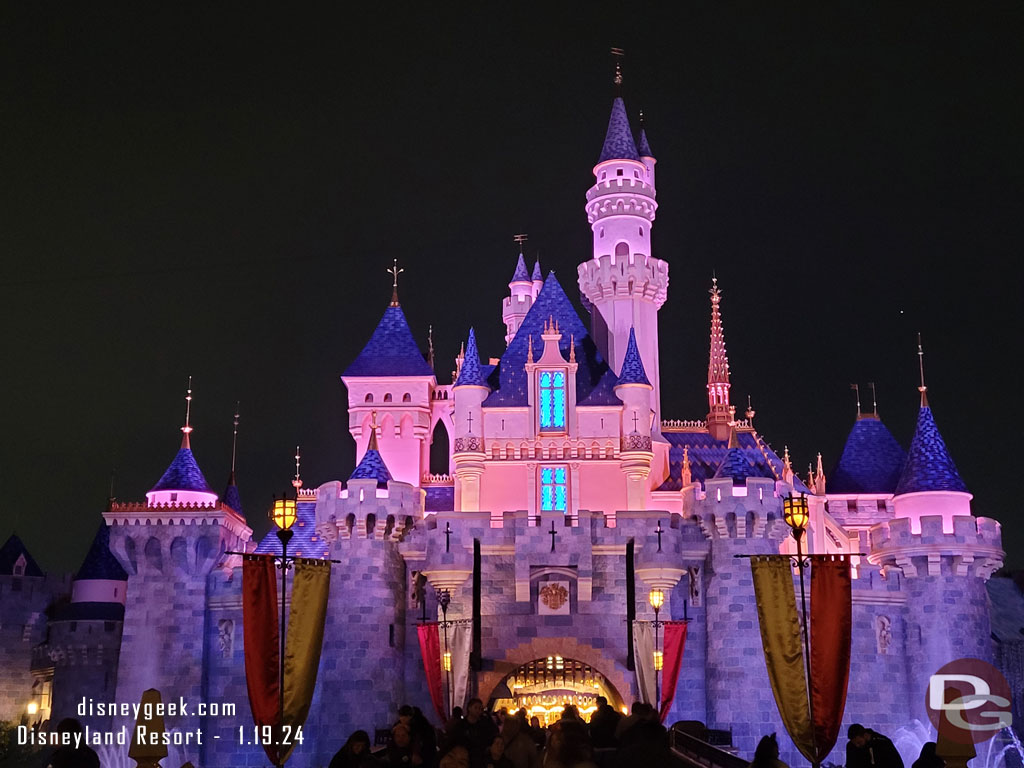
(394, 271)
(687, 476)
(187, 429)
(786, 462)
(618, 53)
(856, 389)
(521, 238)
(430, 345)
(920, 362)
(297, 482)
(572, 348)
(371, 445)
(874, 400)
(641, 119)
(810, 476)
(234, 442)
(529, 348)
(750, 411)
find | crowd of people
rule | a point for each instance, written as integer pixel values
(479, 739)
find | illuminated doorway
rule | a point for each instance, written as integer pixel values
(543, 687)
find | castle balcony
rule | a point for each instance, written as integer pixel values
(620, 185)
(438, 479)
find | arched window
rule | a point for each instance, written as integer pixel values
(368, 398)
(406, 398)
(553, 489)
(439, 453)
(387, 397)
(552, 400)
(622, 249)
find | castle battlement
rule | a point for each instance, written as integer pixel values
(924, 547)
(607, 276)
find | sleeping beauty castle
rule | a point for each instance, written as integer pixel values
(541, 490)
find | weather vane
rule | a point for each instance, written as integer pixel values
(394, 271)
(521, 238)
(188, 413)
(618, 53)
(297, 482)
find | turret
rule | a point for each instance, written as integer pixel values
(643, 147)
(721, 413)
(391, 376)
(634, 389)
(522, 292)
(183, 481)
(624, 285)
(469, 391)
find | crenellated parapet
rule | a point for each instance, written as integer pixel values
(360, 509)
(607, 277)
(728, 511)
(973, 546)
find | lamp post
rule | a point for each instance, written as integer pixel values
(794, 512)
(283, 514)
(444, 598)
(657, 599)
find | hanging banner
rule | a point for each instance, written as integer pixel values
(783, 653)
(310, 587)
(430, 650)
(262, 639)
(460, 643)
(831, 629)
(675, 642)
(643, 649)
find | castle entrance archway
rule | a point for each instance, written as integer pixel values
(543, 687)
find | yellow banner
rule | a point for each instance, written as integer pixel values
(783, 655)
(302, 646)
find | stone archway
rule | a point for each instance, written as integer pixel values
(566, 647)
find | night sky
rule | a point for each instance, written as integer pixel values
(217, 193)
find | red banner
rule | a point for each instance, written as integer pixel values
(831, 626)
(430, 648)
(675, 642)
(262, 640)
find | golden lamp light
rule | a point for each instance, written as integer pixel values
(32, 708)
(657, 599)
(659, 661)
(794, 512)
(282, 514)
(447, 661)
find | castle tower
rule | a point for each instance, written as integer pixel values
(624, 285)
(469, 391)
(84, 641)
(391, 376)
(523, 290)
(170, 547)
(721, 413)
(634, 390)
(944, 555)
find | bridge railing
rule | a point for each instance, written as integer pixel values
(700, 751)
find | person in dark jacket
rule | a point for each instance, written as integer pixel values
(928, 758)
(355, 753)
(70, 756)
(870, 749)
(476, 733)
(602, 725)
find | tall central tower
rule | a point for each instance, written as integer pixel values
(624, 284)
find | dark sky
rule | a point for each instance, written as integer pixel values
(218, 193)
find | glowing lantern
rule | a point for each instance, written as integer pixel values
(282, 514)
(657, 598)
(794, 512)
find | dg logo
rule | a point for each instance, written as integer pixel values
(968, 701)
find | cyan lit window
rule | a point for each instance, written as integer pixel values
(553, 492)
(552, 400)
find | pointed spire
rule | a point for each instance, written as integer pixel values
(618, 141)
(430, 345)
(874, 400)
(529, 349)
(687, 475)
(920, 362)
(787, 466)
(643, 146)
(819, 478)
(538, 276)
(471, 373)
(572, 348)
(297, 481)
(371, 444)
(750, 411)
(719, 408)
(632, 365)
(231, 496)
(394, 271)
(187, 429)
(929, 466)
(856, 391)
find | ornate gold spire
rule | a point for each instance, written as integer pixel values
(187, 429)
(920, 362)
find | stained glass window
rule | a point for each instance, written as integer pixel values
(552, 400)
(554, 495)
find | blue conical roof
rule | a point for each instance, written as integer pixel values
(471, 373)
(100, 563)
(632, 365)
(391, 350)
(595, 382)
(183, 475)
(871, 462)
(645, 147)
(537, 274)
(522, 274)
(232, 497)
(929, 466)
(618, 142)
(12, 549)
(372, 467)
